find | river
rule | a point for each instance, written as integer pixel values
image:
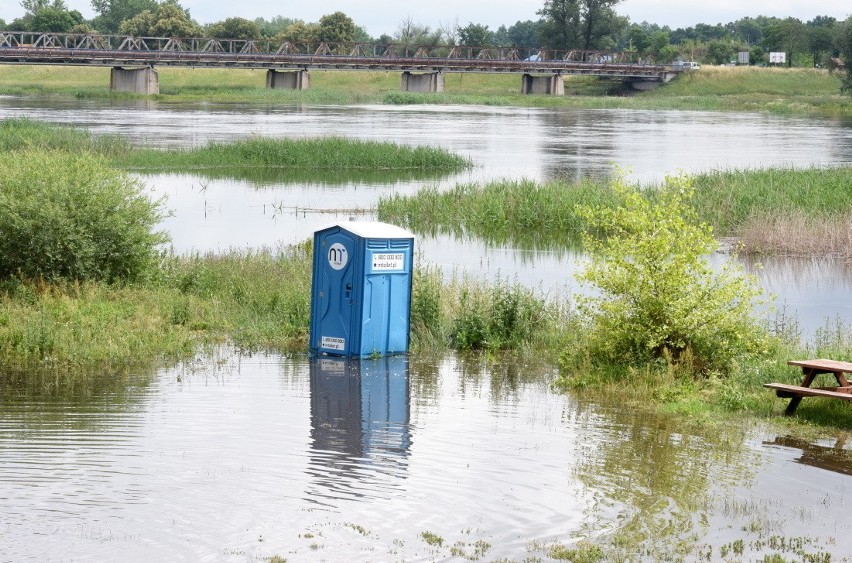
(236, 457)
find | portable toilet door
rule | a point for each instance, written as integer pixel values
(361, 289)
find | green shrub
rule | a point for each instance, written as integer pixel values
(657, 296)
(67, 216)
(498, 316)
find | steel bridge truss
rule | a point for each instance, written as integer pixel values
(123, 50)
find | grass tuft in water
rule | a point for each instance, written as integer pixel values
(303, 154)
(265, 157)
(522, 212)
(774, 210)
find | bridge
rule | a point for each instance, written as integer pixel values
(288, 64)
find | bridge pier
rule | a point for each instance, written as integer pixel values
(288, 79)
(551, 84)
(426, 82)
(134, 80)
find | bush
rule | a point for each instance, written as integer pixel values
(65, 216)
(657, 296)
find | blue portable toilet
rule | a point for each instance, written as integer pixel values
(361, 289)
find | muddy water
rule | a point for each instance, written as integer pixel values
(240, 458)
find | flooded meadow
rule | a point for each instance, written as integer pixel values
(233, 456)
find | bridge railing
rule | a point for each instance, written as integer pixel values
(130, 44)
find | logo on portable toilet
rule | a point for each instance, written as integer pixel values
(337, 256)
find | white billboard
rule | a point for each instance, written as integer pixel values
(779, 58)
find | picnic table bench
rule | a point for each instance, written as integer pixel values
(810, 369)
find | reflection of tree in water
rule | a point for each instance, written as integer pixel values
(656, 474)
(46, 398)
(506, 374)
(571, 155)
(359, 427)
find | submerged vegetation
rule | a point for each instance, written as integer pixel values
(146, 307)
(335, 155)
(780, 210)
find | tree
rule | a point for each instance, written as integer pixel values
(35, 6)
(525, 34)
(639, 39)
(300, 33)
(112, 12)
(168, 20)
(843, 44)
(475, 35)
(274, 26)
(657, 295)
(581, 24)
(748, 30)
(362, 36)
(234, 28)
(336, 28)
(819, 41)
(720, 52)
(562, 25)
(410, 34)
(56, 20)
(786, 35)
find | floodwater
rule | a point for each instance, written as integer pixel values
(212, 214)
(241, 458)
(233, 457)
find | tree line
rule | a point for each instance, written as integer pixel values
(562, 25)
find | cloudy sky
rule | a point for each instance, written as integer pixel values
(384, 16)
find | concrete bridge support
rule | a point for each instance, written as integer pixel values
(134, 80)
(552, 84)
(288, 79)
(427, 82)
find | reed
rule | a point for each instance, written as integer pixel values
(24, 133)
(771, 210)
(798, 234)
(729, 199)
(331, 153)
(257, 157)
(523, 212)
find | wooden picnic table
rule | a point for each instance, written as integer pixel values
(811, 369)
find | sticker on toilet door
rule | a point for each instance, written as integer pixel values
(337, 256)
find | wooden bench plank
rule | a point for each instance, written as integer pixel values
(798, 391)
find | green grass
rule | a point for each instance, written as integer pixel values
(303, 154)
(521, 212)
(533, 214)
(188, 302)
(781, 91)
(264, 159)
(255, 301)
(728, 199)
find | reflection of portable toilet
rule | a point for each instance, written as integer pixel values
(361, 289)
(360, 407)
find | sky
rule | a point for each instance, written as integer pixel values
(385, 16)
